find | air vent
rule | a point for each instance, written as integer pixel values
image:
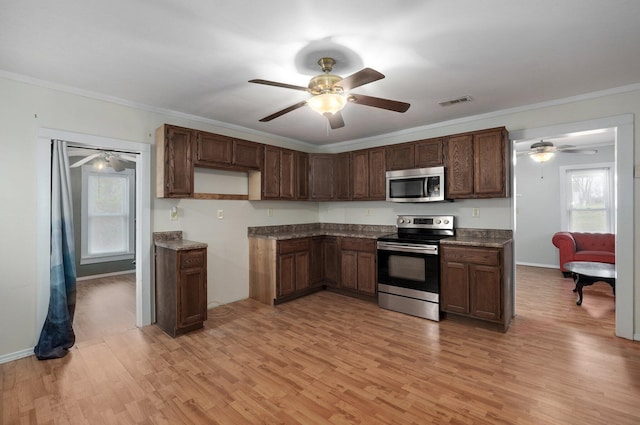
(454, 101)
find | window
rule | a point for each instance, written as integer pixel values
(587, 198)
(107, 229)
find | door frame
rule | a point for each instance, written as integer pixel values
(624, 198)
(144, 305)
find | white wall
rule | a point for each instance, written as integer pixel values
(538, 204)
(25, 108)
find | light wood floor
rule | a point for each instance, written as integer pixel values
(329, 359)
(105, 306)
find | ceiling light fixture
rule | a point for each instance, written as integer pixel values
(541, 156)
(327, 103)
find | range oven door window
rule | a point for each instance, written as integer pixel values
(409, 270)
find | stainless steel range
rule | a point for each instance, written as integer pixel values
(409, 265)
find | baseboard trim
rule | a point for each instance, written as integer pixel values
(6, 358)
(546, 266)
(98, 276)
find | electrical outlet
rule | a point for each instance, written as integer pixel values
(220, 214)
(368, 212)
(270, 212)
(173, 214)
(476, 212)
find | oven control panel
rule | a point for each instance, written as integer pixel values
(425, 221)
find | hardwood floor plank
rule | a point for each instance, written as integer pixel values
(330, 359)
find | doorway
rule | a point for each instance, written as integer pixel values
(623, 153)
(143, 296)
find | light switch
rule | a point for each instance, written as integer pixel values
(173, 213)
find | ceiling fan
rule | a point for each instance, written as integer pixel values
(331, 93)
(543, 151)
(104, 159)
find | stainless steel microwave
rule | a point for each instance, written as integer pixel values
(416, 185)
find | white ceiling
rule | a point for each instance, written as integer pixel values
(196, 57)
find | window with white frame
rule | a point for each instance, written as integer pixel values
(587, 198)
(108, 222)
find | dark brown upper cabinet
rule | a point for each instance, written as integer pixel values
(368, 174)
(477, 165)
(174, 175)
(419, 154)
(218, 151)
(279, 173)
(321, 176)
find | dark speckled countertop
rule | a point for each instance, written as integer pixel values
(294, 231)
(173, 240)
(489, 238)
(470, 237)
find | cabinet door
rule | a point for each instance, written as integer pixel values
(429, 153)
(192, 298)
(302, 270)
(491, 164)
(377, 175)
(178, 162)
(459, 166)
(271, 173)
(485, 291)
(287, 174)
(343, 176)
(454, 287)
(360, 174)
(400, 157)
(316, 266)
(302, 175)
(286, 274)
(247, 154)
(330, 260)
(322, 176)
(213, 149)
(349, 269)
(367, 273)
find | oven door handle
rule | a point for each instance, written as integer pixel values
(402, 247)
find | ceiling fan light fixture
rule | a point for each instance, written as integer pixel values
(327, 103)
(541, 156)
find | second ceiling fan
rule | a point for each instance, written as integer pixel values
(331, 93)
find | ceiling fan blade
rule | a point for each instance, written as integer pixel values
(276, 84)
(564, 147)
(115, 163)
(377, 102)
(335, 120)
(360, 78)
(84, 160)
(582, 151)
(284, 111)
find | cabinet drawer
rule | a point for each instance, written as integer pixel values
(294, 245)
(192, 259)
(484, 256)
(358, 244)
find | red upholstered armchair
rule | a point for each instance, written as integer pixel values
(574, 246)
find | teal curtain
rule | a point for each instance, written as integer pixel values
(57, 334)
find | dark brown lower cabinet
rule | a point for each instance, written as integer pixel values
(358, 265)
(181, 289)
(476, 282)
(293, 266)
